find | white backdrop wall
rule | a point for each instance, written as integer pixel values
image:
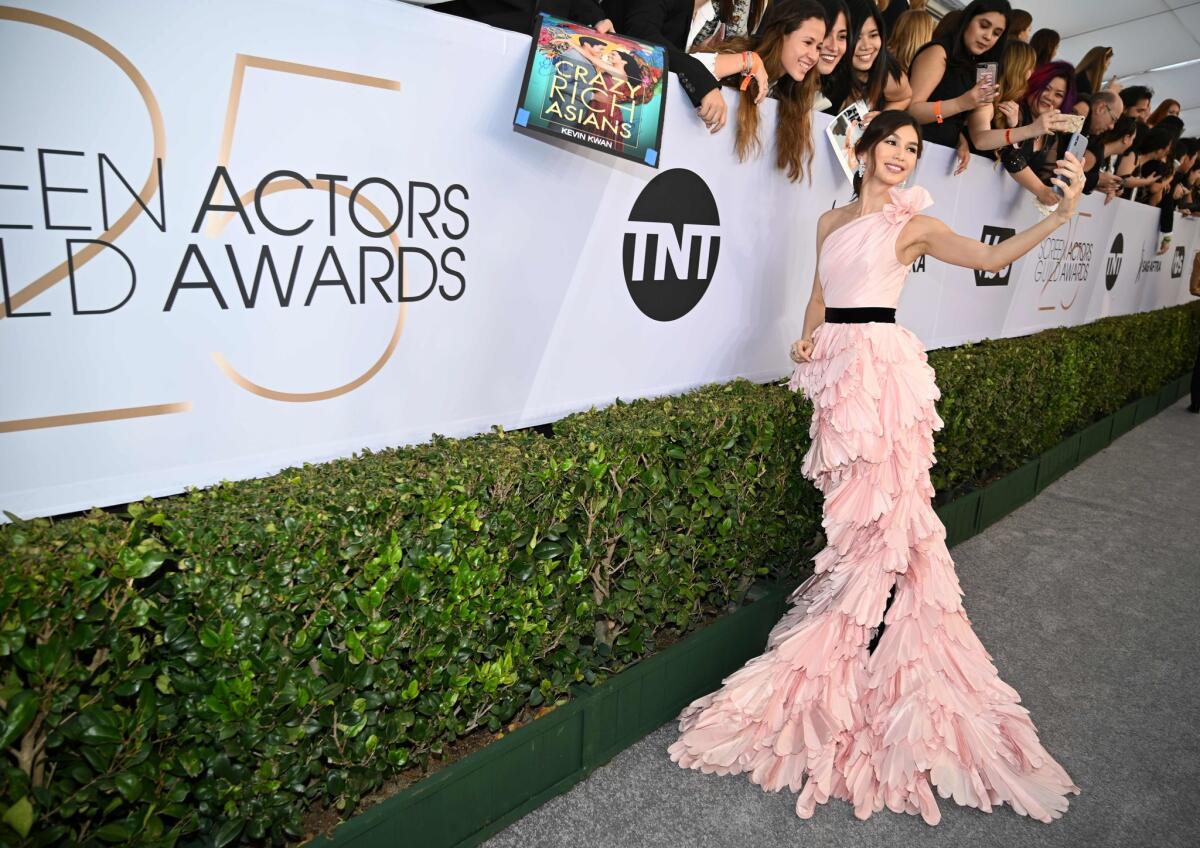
(137, 364)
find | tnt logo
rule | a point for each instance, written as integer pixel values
(993, 236)
(672, 243)
(1112, 262)
(1177, 263)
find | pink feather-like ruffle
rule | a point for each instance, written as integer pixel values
(927, 710)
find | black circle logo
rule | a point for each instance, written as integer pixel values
(1112, 263)
(671, 244)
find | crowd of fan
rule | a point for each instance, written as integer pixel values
(892, 54)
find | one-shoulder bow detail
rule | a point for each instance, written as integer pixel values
(906, 202)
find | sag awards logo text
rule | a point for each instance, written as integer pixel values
(671, 244)
(1177, 263)
(1062, 266)
(1148, 266)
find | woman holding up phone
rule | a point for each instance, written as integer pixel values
(874, 688)
(1031, 162)
(950, 98)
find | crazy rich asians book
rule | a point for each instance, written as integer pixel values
(604, 92)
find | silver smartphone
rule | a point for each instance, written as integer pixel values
(985, 72)
(1077, 145)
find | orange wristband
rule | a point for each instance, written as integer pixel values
(755, 64)
(1008, 137)
(937, 111)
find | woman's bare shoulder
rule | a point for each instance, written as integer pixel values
(833, 218)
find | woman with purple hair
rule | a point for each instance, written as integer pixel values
(1051, 90)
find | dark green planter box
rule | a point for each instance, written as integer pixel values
(476, 797)
(961, 517)
(1095, 438)
(1007, 493)
(1168, 395)
(1122, 420)
(1173, 388)
(1057, 461)
(1183, 385)
(1146, 409)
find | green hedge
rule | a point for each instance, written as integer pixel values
(217, 663)
(1006, 401)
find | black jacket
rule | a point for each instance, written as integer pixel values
(667, 22)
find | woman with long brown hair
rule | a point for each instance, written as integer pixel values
(787, 45)
(1167, 107)
(912, 31)
(874, 687)
(1045, 42)
(1015, 69)
(1089, 73)
(1020, 23)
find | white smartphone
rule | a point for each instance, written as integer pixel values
(985, 72)
(1078, 146)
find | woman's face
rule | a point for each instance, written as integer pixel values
(800, 48)
(833, 47)
(612, 63)
(1023, 35)
(894, 158)
(983, 32)
(1173, 109)
(869, 43)
(1051, 97)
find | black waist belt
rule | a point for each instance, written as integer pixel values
(859, 315)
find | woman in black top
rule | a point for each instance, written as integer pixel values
(867, 73)
(832, 56)
(946, 98)
(1089, 73)
(1031, 162)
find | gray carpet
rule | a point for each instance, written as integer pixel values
(1087, 599)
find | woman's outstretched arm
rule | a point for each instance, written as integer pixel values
(929, 236)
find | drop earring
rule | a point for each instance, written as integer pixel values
(862, 169)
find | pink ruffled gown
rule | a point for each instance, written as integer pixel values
(818, 712)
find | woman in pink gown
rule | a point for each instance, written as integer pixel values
(874, 687)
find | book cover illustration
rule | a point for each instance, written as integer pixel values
(605, 92)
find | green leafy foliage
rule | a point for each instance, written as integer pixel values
(1006, 401)
(217, 663)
